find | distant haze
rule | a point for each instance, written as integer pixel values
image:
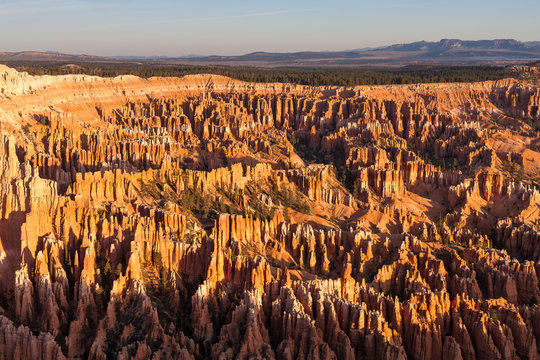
(179, 28)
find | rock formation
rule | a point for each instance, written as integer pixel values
(204, 217)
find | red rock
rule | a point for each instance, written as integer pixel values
(182, 218)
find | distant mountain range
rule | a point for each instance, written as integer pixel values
(449, 45)
(446, 51)
(48, 56)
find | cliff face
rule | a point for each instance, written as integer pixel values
(204, 217)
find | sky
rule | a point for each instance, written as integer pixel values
(179, 28)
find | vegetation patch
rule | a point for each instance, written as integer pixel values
(321, 76)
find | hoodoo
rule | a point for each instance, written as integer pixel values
(206, 217)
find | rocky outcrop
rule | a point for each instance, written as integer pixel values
(205, 217)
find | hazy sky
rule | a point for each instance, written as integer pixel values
(167, 27)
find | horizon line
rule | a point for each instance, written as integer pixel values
(134, 56)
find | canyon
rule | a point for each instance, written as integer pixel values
(205, 217)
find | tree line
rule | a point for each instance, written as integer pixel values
(302, 76)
